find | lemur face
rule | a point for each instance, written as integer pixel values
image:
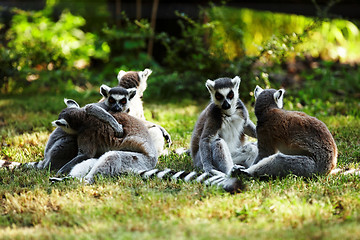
(117, 98)
(224, 93)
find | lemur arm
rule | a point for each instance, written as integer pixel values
(205, 150)
(266, 148)
(106, 117)
(166, 135)
(68, 166)
(250, 128)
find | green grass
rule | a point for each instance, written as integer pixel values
(128, 207)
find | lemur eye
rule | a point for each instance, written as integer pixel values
(111, 100)
(230, 95)
(218, 96)
(123, 101)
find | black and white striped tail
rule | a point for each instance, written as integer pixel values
(11, 165)
(219, 179)
(345, 171)
(216, 178)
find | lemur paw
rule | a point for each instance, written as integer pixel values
(89, 107)
(239, 171)
(168, 139)
(119, 132)
(166, 135)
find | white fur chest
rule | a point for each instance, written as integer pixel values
(231, 129)
(136, 108)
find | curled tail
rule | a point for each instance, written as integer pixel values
(11, 165)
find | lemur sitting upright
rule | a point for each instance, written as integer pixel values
(289, 141)
(218, 139)
(138, 80)
(61, 146)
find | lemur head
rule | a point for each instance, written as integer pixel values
(224, 93)
(117, 98)
(133, 79)
(70, 118)
(267, 99)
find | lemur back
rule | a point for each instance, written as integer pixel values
(218, 139)
(290, 141)
(96, 137)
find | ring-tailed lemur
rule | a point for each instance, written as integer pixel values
(218, 139)
(138, 80)
(131, 150)
(289, 141)
(61, 146)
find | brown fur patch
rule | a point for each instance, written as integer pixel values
(130, 80)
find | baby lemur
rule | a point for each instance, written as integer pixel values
(218, 139)
(289, 141)
(131, 150)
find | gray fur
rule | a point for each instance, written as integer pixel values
(218, 139)
(289, 141)
(62, 145)
(133, 151)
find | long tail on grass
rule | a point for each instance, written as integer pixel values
(11, 165)
(345, 171)
(213, 178)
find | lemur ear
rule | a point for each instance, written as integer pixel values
(71, 103)
(132, 92)
(104, 90)
(60, 123)
(120, 75)
(257, 91)
(145, 74)
(210, 85)
(236, 81)
(278, 97)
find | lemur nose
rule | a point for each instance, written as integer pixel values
(116, 108)
(225, 105)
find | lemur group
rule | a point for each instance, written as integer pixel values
(112, 137)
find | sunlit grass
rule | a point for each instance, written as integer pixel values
(128, 207)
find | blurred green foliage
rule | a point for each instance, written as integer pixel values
(244, 32)
(70, 44)
(52, 52)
